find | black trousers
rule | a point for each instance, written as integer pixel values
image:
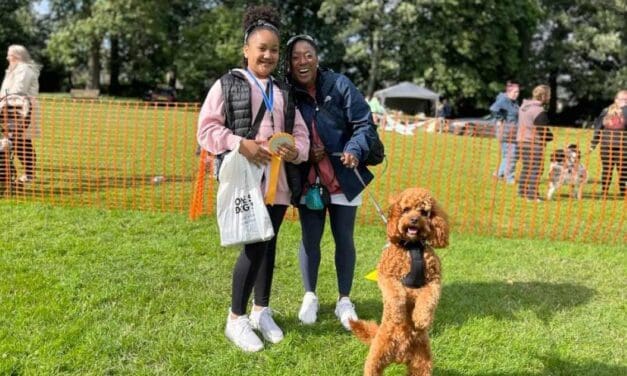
(613, 156)
(532, 156)
(255, 267)
(26, 154)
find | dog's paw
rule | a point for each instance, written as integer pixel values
(422, 320)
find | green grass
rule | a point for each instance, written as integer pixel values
(90, 292)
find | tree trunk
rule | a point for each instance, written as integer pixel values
(94, 65)
(375, 47)
(374, 63)
(553, 85)
(114, 66)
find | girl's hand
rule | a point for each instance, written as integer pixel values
(253, 152)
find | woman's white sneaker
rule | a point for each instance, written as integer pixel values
(240, 332)
(262, 321)
(308, 309)
(345, 311)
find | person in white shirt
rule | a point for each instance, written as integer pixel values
(21, 79)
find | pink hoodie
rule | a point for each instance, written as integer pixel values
(214, 137)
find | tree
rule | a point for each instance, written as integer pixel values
(77, 37)
(365, 23)
(459, 47)
(140, 39)
(580, 47)
(468, 49)
(16, 23)
(212, 43)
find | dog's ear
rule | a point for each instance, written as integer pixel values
(439, 223)
(394, 199)
(394, 214)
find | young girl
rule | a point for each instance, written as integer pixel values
(226, 125)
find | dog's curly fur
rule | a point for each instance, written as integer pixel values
(403, 337)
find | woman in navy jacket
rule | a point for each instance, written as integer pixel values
(341, 129)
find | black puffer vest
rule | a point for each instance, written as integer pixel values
(239, 118)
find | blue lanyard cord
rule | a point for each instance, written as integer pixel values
(268, 94)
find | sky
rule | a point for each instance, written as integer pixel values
(42, 7)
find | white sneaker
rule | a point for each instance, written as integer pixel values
(345, 310)
(240, 332)
(262, 321)
(308, 309)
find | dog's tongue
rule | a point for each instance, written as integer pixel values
(413, 231)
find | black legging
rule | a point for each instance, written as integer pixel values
(255, 266)
(610, 157)
(342, 220)
(26, 154)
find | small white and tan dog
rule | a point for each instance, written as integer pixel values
(567, 169)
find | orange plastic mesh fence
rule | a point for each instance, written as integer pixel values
(111, 154)
(144, 156)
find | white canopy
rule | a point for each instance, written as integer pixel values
(409, 98)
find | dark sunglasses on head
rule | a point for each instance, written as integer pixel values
(306, 37)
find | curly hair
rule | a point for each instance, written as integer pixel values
(265, 13)
(260, 17)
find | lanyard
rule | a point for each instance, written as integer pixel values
(268, 95)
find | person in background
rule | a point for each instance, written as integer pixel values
(341, 126)
(378, 112)
(224, 123)
(505, 111)
(445, 111)
(22, 78)
(610, 130)
(532, 136)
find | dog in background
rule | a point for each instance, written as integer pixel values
(409, 277)
(566, 169)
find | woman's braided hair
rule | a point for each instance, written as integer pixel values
(287, 59)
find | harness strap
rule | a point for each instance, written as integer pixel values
(416, 276)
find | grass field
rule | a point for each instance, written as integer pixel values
(91, 292)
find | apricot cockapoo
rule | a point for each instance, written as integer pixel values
(409, 276)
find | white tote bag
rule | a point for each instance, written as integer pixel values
(242, 214)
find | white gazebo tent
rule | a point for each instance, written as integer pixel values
(409, 98)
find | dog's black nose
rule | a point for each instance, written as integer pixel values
(413, 220)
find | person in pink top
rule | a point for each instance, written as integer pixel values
(226, 122)
(533, 134)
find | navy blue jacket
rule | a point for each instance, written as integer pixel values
(344, 123)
